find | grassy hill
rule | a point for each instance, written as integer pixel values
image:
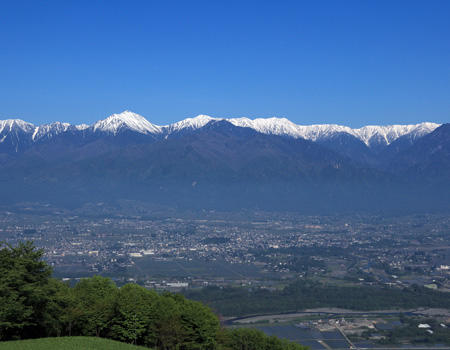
(67, 343)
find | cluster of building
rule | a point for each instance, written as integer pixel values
(398, 251)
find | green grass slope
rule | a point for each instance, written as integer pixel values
(67, 343)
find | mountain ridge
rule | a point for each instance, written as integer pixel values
(228, 164)
(371, 135)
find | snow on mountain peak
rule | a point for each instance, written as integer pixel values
(49, 130)
(9, 124)
(274, 125)
(284, 127)
(386, 134)
(371, 135)
(190, 123)
(82, 127)
(126, 120)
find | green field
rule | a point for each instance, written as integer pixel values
(69, 343)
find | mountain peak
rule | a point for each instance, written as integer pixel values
(116, 123)
(81, 127)
(49, 130)
(190, 123)
(388, 133)
(274, 125)
(10, 124)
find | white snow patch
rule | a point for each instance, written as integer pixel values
(9, 124)
(126, 120)
(81, 127)
(49, 130)
(189, 123)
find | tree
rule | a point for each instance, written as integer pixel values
(24, 277)
(253, 339)
(133, 314)
(57, 320)
(200, 325)
(94, 305)
(167, 325)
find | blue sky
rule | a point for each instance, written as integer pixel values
(345, 62)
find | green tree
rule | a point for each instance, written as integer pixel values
(253, 339)
(167, 326)
(94, 299)
(200, 325)
(133, 314)
(183, 324)
(56, 316)
(23, 296)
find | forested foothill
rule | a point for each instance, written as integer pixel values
(35, 305)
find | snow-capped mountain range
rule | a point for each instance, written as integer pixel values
(371, 135)
(207, 162)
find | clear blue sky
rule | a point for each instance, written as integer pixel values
(346, 62)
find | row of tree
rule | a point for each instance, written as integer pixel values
(33, 305)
